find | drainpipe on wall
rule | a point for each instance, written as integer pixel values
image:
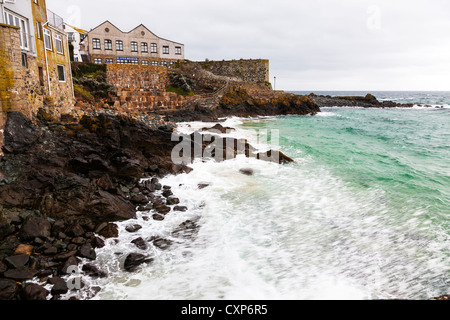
(46, 63)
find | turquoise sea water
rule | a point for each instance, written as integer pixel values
(440, 98)
(363, 213)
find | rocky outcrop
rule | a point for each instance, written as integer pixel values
(369, 101)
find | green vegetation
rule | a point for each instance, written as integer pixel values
(83, 93)
(179, 91)
(180, 85)
(84, 69)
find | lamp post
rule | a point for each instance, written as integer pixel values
(274, 83)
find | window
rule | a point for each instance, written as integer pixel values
(144, 47)
(154, 48)
(96, 44)
(165, 49)
(108, 44)
(41, 76)
(98, 61)
(48, 39)
(109, 60)
(154, 63)
(134, 46)
(24, 60)
(177, 50)
(71, 36)
(59, 43)
(144, 62)
(39, 30)
(164, 64)
(61, 73)
(119, 45)
(16, 21)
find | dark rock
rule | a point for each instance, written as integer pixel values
(107, 207)
(187, 229)
(75, 230)
(134, 260)
(3, 268)
(219, 128)
(87, 251)
(274, 156)
(5, 228)
(32, 291)
(180, 208)
(157, 201)
(162, 244)
(19, 133)
(18, 261)
(35, 227)
(172, 201)
(73, 246)
(139, 199)
(97, 243)
(109, 231)
(93, 271)
(158, 186)
(50, 251)
(78, 241)
(140, 243)
(133, 228)
(58, 226)
(20, 274)
(247, 172)
(158, 217)
(9, 290)
(71, 263)
(167, 193)
(203, 185)
(65, 255)
(162, 209)
(105, 183)
(59, 286)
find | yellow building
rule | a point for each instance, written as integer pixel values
(53, 56)
(35, 69)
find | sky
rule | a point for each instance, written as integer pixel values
(312, 45)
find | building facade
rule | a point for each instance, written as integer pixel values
(108, 44)
(75, 36)
(36, 66)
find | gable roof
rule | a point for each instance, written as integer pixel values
(141, 25)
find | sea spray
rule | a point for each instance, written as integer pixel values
(361, 214)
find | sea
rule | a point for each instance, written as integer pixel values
(363, 212)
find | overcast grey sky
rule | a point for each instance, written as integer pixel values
(311, 44)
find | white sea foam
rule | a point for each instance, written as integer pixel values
(287, 232)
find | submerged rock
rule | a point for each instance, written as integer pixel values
(134, 260)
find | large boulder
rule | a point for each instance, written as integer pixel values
(9, 289)
(19, 133)
(34, 291)
(35, 227)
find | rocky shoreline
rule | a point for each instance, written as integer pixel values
(65, 182)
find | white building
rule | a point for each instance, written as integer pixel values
(19, 13)
(75, 36)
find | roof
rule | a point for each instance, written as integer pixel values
(141, 25)
(77, 29)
